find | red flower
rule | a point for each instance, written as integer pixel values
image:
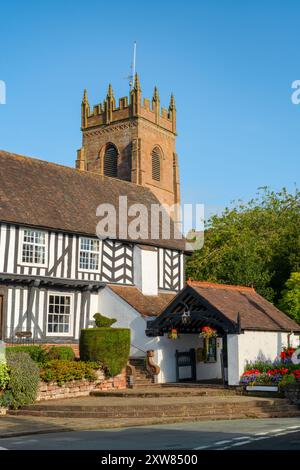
(283, 355)
(251, 372)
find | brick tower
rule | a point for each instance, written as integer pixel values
(134, 142)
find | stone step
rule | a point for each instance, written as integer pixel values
(153, 390)
(205, 416)
(209, 410)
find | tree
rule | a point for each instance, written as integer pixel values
(254, 244)
(290, 300)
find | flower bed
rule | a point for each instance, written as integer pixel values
(270, 375)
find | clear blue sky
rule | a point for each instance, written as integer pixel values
(229, 63)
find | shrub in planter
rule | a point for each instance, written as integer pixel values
(64, 371)
(23, 381)
(63, 353)
(36, 352)
(109, 346)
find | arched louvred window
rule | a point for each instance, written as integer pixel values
(111, 161)
(156, 157)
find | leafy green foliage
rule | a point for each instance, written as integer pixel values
(4, 375)
(109, 346)
(290, 300)
(262, 366)
(287, 379)
(24, 379)
(64, 353)
(103, 322)
(63, 371)
(36, 352)
(254, 244)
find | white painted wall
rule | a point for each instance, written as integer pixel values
(145, 270)
(233, 359)
(252, 346)
(113, 306)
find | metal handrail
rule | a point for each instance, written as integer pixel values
(138, 348)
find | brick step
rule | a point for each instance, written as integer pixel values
(154, 392)
(208, 410)
(205, 416)
(144, 381)
(144, 378)
(213, 404)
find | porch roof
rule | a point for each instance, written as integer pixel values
(146, 305)
(230, 309)
(43, 281)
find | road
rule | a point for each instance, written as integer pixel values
(279, 433)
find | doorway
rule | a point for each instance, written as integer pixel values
(186, 366)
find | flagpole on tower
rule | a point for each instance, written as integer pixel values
(133, 67)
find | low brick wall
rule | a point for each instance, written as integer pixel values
(80, 388)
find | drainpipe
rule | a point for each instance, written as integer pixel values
(289, 339)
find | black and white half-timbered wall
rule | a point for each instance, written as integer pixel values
(53, 268)
(50, 280)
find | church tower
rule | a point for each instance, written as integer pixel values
(134, 141)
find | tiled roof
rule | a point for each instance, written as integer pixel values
(255, 312)
(148, 305)
(43, 194)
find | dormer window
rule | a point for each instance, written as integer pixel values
(156, 157)
(111, 161)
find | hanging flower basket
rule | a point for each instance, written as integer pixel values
(173, 334)
(208, 332)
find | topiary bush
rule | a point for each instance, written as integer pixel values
(63, 371)
(36, 352)
(24, 376)
(109, 346)
(63, 353)
(103, 322)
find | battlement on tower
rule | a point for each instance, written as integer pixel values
(108, 112)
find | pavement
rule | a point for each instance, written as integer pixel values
(265, 434)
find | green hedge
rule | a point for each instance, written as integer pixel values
(64, 353)
(24, 376)
(36, 352)
(63, 371)
(41, 355)
(109, 346)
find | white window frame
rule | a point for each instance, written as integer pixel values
(21, 243)
(71, 324)
(86, 270)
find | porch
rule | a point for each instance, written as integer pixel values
(184, 353)
(247, 328)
